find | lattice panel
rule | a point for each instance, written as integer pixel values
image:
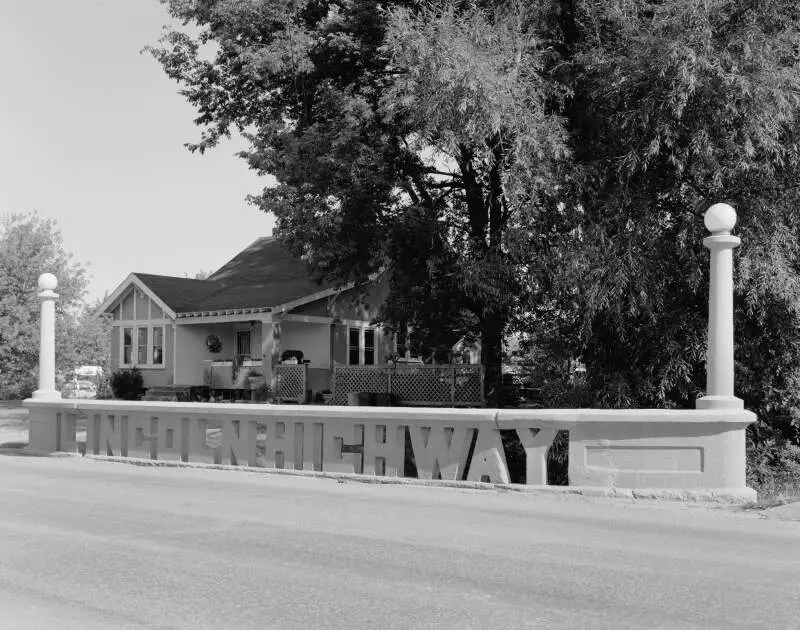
(468, 387)
(434, 385)
(422, 384)
(291, 383)
(352, 379)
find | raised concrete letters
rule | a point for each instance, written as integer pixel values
(489, 459)
(536, 443)
(384, 449)
(440, 450)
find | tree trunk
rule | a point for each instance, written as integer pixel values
(491, 358)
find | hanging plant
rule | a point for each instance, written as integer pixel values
(214, 344)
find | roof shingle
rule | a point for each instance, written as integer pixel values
(262, 275)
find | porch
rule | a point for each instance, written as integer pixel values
(234, 359)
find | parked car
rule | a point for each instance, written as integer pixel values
(79, 389)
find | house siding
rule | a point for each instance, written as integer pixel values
(312, 339)
(142, 305)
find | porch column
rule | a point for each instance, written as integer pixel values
(719, 220)
(47, 346)
(270, 350)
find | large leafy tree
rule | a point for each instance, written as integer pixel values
(30, 246)
(541, 166)
(403, 136)
(676, 105)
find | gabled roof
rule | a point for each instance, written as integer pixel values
(180, 294)
(263, 276)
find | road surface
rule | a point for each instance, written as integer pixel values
(90, 544)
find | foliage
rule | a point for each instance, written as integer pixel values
(127, 384)
(773, 469)
(404, 137)
(539, 166)
(30, 246)
(263, 393)
(288, 354)
(716, 122)
(82, 338)
(103, 384)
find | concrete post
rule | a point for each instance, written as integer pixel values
(719, 220)
(47, 347)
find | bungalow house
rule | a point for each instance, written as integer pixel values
(182, 332)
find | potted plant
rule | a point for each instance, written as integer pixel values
(255, 379)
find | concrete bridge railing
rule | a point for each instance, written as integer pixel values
(658, 452)
(694, 452)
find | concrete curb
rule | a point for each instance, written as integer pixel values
(686, 496)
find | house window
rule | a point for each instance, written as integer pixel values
(127, 346)
(361, 346)
(369, 346)
(143, 346)
(354, 347)
(243, 344)
(141, 355)
(158, 345)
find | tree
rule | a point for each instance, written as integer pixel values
(83, 338)
(30, 246)
(540, 166)
(403, 136)
(677, 105)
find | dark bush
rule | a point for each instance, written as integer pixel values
(288, 354)
(127, 384)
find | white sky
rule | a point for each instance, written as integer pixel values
(92, 133)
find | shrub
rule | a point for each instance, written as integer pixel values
(127, 384)
(263, 393)
(773, 468)
(288, 354)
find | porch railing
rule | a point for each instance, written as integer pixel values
(424, 385)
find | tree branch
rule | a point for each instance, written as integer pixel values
(474, 195)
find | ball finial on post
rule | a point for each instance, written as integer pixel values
(720, 219)
(47, 282)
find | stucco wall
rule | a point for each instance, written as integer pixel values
(312, 339)
(192, 350)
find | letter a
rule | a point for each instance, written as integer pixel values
(489, 460)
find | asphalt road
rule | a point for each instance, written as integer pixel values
(88, 544)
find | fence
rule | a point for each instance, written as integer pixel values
(412, 385)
